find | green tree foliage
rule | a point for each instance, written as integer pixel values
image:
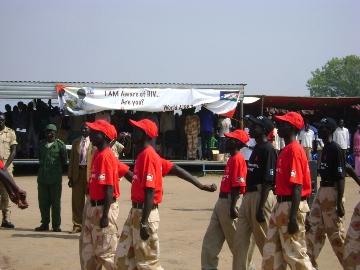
(338, 78)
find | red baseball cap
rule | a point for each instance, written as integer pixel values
(146, 125)
(293, 118)
(238, 134)
(103, 126)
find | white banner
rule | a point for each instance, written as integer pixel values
(85, 100)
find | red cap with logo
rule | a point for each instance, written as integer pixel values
(103, 126)
(146, 125)
(293, 118)
(238, 134)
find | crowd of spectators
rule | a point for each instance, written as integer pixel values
(197, 132)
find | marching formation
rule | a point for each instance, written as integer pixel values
(273, 216)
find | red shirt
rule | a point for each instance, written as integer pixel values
(147, 173)
(166, 167)
(292, 167)
(1, 164)
(234, 174)
(104, 171)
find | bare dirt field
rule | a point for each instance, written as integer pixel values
(184, 213)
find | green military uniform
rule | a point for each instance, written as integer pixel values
(51, 157)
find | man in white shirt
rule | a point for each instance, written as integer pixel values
(224, 125)
(342, 137)
(306, 139)
(276, 142)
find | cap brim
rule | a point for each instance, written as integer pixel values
(280, 118)
(134, 123)
(92, 126)
(254, 120)
(319, 124)
(138, 125)
(229, 135)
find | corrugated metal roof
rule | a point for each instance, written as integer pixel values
(46, 90)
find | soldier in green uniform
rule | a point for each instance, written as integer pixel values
(52, 156)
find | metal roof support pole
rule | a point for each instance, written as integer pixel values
(262, 105)
(241, 112)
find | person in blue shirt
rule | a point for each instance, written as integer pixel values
(206, 123)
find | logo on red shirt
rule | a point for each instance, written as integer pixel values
(293, 173)
(149, 177)
(101, 177)
(241, 179)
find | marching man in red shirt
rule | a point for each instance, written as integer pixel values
(99, 238)
(286, 241)
(139, 243)
(222, 223)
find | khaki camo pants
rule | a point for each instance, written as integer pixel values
(99, 244)
(192, 140)
(281, 247)
(87, 204)
(323, 220)
(248, 226)
(134, 253)
(221, 227)
(352, 242)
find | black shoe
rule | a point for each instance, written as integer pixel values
(57, 229)
(7, 224)
(42, 227)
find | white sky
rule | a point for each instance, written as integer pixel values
(270, 45)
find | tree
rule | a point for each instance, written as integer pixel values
(338, 78)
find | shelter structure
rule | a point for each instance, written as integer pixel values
(19, 90)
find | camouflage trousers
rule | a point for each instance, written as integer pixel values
(352, 242)
(323, 220)
(192, 140)
(281, 247)
(247, 227)
(99, 244)
(134, 253)
(87, 204)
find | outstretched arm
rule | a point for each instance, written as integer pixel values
(181, 173)
(128, 176)
(351, 172)
(16, 195)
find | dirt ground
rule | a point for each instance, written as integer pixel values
(185, 214)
